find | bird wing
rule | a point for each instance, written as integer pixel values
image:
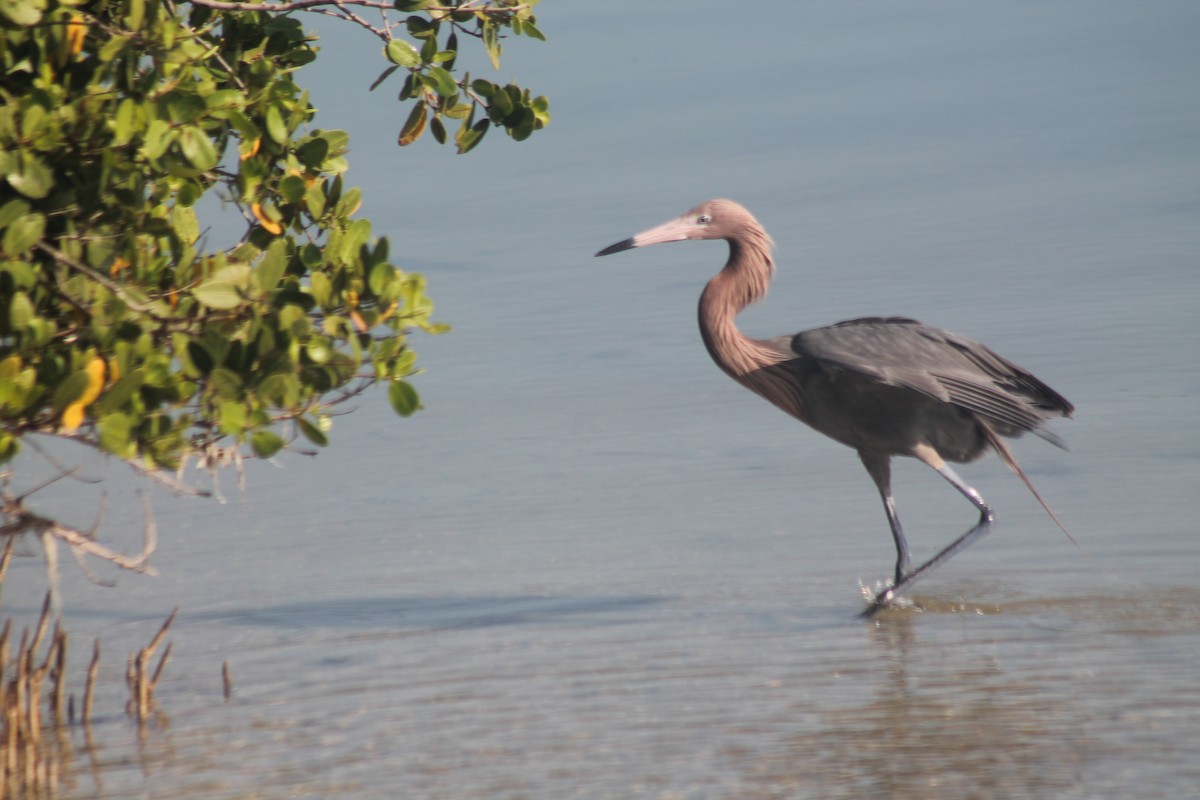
(898, 351)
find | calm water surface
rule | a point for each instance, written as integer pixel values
(594, 567)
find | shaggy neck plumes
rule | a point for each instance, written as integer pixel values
(743, 281)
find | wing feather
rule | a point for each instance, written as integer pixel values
(898, 351)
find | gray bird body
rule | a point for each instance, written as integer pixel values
(888, 384)
(885, 386)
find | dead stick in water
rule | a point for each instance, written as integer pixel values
(4, 647)
(89, 688)
(6, 557)
(162, 662)
(43, 622)
(226, 682)
(58, 670)
(141, 685)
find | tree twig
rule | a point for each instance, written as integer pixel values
(300, 5)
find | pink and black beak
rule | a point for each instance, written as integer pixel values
(676, 230)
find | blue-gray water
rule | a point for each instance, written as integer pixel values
(594, 566)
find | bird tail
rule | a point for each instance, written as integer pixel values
(1010, 460)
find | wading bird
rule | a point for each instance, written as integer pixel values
(885, 386)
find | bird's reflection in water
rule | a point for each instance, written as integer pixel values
(940, 719)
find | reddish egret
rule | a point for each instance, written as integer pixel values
(886, 386)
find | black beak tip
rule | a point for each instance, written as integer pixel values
(616, 248)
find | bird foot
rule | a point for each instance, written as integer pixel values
(882, 595)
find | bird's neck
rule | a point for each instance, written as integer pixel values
(743, 281)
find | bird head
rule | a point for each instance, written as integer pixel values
(715, 219)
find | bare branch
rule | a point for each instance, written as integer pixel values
(101, 278)
(300, 5)
(346, 14)
(51, 532)
(50, 548)
(67, 472)
(174, 485)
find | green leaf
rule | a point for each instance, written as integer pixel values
(383, 76)
(33, 178)
(281, 390)
(356, 235)
(221, 295)
(442, 81)
(198, 149)
(419, 27)
(123, 121)
(23, 233)
(313, 152)
(467, 138)
(22, 12)
(312, 432)
(189, 192)
(404, 398)
(187, 227)
(318, 350)
(119, 393)
(266, 443)
(225, 99)
(10, 367)
(9, 447)
(530, 30)
(292, 188)
(232, 418)
(20, 313)
(500, 105)
(115, 434)
(226, 383)
(322, 289)
(159, 137)
(520, 124)
(276, 127)
(402, 53)
(272, 266)
(314, 200)
(384, 282)
(137, 14)
(338, 141)
(491, 42)
(12, 210)
(226, 289)
(438, 129)
(541, 110)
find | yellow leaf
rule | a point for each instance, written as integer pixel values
(118, 265)
(95, 373)
(114, 370)
(11, 366)
(72, 417)
(414, 126)
(250, 148)
(76, 33)
(270, 225)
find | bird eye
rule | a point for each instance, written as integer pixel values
(704, 219)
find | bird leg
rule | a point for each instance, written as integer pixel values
(880, 469)
(980, 529)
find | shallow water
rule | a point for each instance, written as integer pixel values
(593, 566)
